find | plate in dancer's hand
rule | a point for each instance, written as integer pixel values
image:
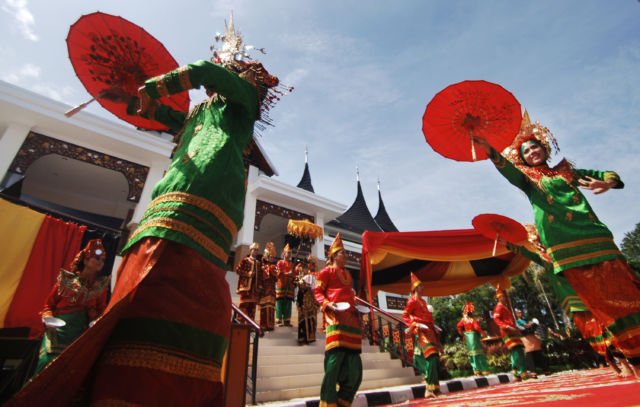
(363, 309)
(341, 306)
(53, 322)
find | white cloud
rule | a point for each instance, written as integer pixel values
(28, 72)
(20, 11)
(28, 77)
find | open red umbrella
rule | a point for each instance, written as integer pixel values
(479, 108)
(494, 227)
(110, 52)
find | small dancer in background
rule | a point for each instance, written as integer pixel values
(426, 357)
(471, 332)
(78, 297)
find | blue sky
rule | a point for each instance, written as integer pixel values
(363, 73)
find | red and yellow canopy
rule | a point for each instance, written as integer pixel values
(447, 262)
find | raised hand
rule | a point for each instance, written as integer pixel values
(596, 185)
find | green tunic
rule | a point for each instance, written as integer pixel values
(200, 200)
(567, 225)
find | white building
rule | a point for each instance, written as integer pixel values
(101, 172)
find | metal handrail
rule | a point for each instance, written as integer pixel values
(258, 333)
(376, 336)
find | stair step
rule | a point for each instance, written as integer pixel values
(314, 391)
(310, 379)
(288, 368)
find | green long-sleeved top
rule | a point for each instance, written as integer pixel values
(568, 227)
(200, 200)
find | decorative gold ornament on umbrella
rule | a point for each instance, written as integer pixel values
(304, 229)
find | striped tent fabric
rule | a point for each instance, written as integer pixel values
(447, 262)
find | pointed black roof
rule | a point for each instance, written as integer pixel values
(382, 217)
(305, 182)
(357, 218)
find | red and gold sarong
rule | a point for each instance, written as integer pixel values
(612, 292)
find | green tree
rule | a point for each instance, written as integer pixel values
(631, 248)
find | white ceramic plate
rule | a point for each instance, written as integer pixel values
(363, 309)
(422, 326)
(341, 306)
(53, 322)
(309, 279)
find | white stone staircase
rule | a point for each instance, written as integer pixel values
(288, 371)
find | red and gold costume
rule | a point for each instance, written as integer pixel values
(503, 317)
(343, 366)
(285, 288)
(417, 316)
(75, 301)
(249, 282)
(470, 330)
(268, 292)
(306, 302)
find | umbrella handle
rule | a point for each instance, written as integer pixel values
(495, 245)
(473, 147)
(76, 109)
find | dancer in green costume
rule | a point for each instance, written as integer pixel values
(471, 332)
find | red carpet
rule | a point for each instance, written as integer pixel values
(586, 388)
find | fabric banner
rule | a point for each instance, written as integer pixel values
(19, 227)
(448, 262)
(54, 248)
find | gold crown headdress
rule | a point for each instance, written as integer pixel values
(234, 55)
(415, 282)
(336, 245)
(529, 132)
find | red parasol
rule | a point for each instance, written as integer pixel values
(110, 52)
(479, 108)
(494, 227)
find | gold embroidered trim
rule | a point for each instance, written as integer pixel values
(220, 231)
(587, 256)
(187, 230)
(201, 203)
(577, 243)
(183, 78)
(155, 360)
(161, 87)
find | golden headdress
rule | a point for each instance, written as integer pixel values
(254, 245)
(500, 292)
(234, 55)
(286, 249)
(336, 246)
(415, 282)
(528, 132)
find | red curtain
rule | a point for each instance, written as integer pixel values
(55, 247)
